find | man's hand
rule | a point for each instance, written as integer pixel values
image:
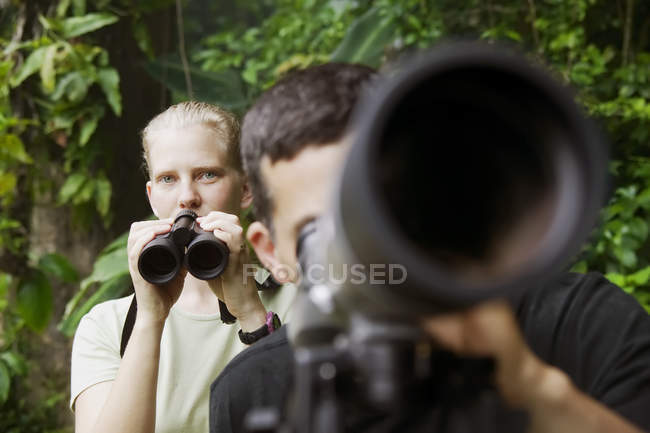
(154, 301)
(524, 381)
(237, 291)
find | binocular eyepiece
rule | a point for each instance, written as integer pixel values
(203, 254)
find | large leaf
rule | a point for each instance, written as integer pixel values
(221, 88)
(35, 301)
(119, 243)
(113, 288)
(32, 64)
(77, 26)
(107, 267)
(58, 266)
(74, 85)
(11, 147)
(112, 263)
(15, 362)
(365, 40)
(72, 185)
(109, 80)
(89, 124)
(48, 73)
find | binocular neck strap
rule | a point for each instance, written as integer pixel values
(226, 315)
(128, 325)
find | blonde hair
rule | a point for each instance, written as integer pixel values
(190, 113)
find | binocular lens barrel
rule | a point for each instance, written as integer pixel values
(161, 259)
(205, 258)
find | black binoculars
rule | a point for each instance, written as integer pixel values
(203, 254)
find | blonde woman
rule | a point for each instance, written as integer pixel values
(178, 342)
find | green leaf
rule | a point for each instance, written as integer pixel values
(365, 40)
(77, 26)
(79, 7)
(109, 80)
(7, 183)
(85, 193)
(58, 266)
(74, 85)
(5, 383)
(62, 8)
(107, 267)
(15, 362)
(580, 267)
(639, 278)
(119, 243)
(71, 187)
(7, 224)
(48, 73)
(224, 88)
(113, 288)
(103, 195)
(141, 35)
(34, 301)
(32, 64)
(628, 258)
(89, 125)
(616, 278)
(11, 147)
(638, 229)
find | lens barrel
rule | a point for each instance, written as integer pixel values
(161, 259)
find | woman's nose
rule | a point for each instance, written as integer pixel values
(189, 197)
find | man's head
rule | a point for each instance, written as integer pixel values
(293, 142)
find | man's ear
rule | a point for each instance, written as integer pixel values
(247, 195)
(260, 238)
(155, 212)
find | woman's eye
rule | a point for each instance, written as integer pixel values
(209, 175)
(166, 179)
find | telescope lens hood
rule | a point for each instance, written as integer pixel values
(473, 169)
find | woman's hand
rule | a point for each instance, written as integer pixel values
(234, 287)
(154, 301)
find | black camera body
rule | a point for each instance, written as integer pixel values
(200, 251)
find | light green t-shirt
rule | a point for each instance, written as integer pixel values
(194, 349)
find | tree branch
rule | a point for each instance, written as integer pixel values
(181, 47)
(533, 17)
(627, 32)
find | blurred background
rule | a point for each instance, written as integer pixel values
(80, 79)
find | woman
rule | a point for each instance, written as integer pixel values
(178, 344)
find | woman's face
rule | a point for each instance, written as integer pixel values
(190, 169)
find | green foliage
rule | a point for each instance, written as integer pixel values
(110, 278)
(56, 87)
(61, 76)
(34, 301)
(365, 40)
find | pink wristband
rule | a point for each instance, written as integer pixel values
(269, 321)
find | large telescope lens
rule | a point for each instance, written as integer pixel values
(476, 172)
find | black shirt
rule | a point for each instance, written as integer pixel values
(582, 324)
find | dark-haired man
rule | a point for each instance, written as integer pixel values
(575, 354)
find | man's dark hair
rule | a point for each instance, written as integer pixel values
(310, 107)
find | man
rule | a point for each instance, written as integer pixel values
(570, 370)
